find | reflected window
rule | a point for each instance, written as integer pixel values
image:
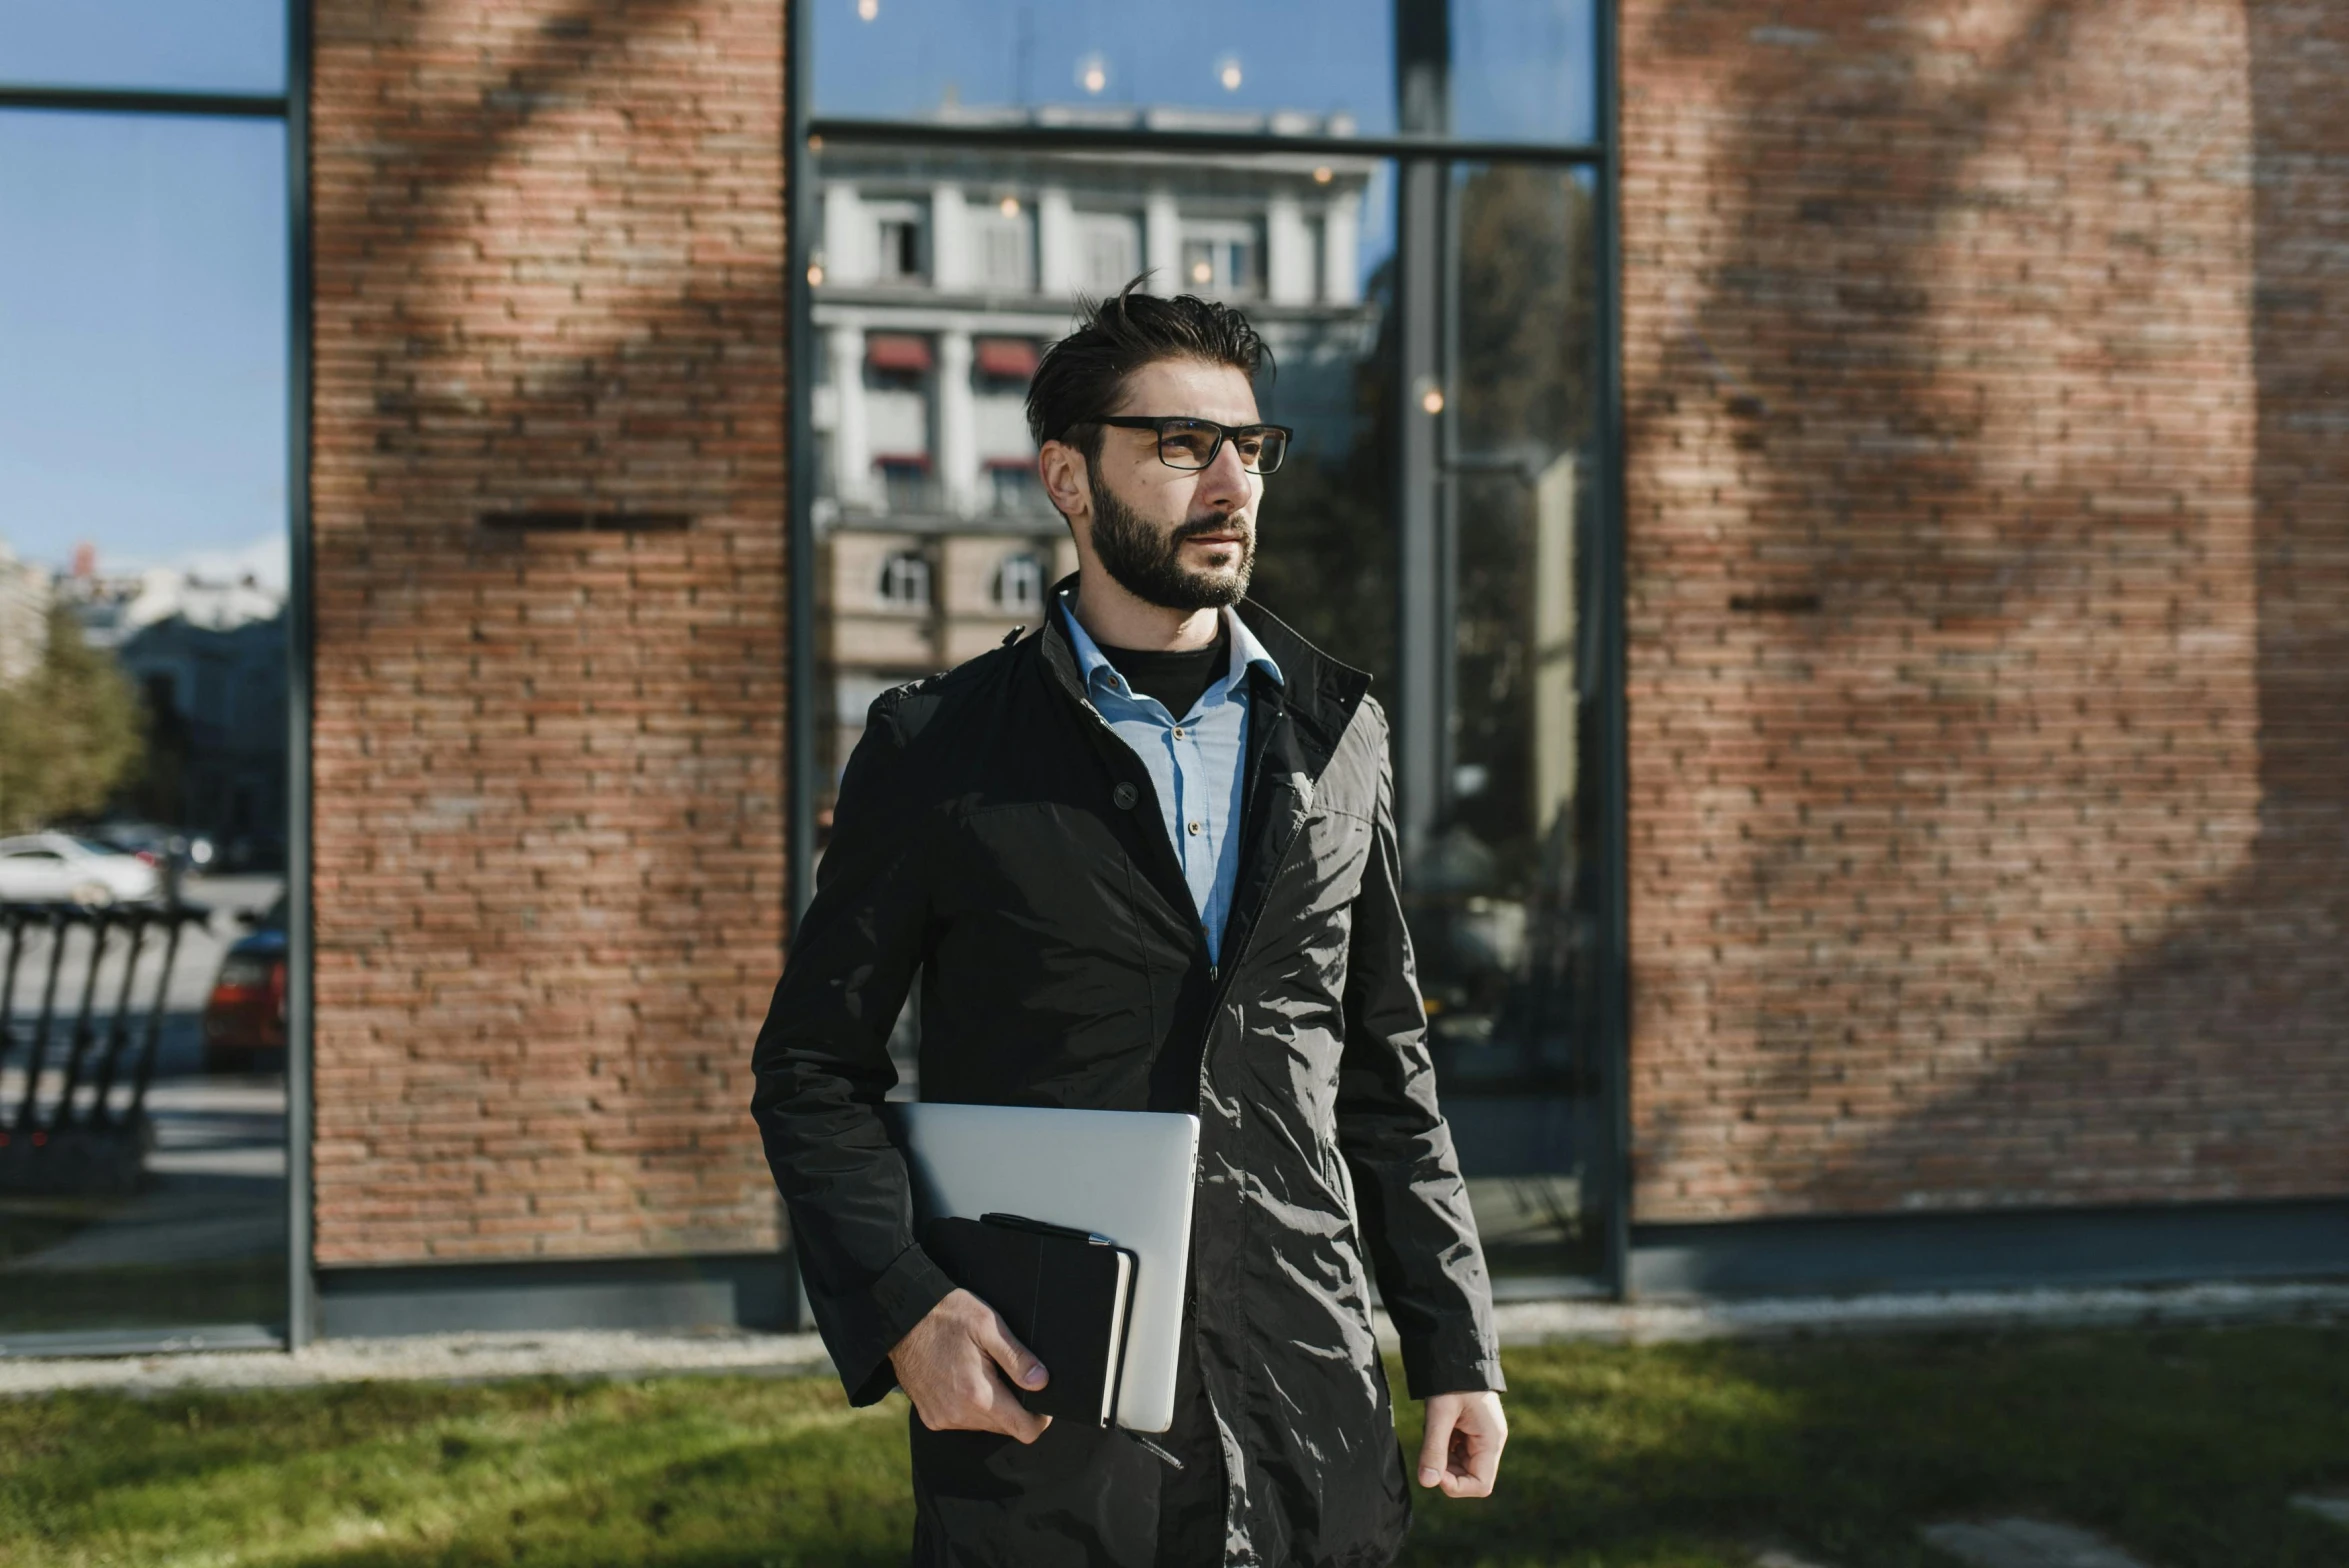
(1014, 490)
(1019, 584)
(898, 250)
(1222, 260)
(1003, 245)
(905, 580)
(905, 484)
(1109, 250)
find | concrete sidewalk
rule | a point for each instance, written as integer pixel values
(484, 1357)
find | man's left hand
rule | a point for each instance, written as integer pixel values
(1462, 1453)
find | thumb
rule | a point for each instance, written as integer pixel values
(1435, 1450)
(1018, 1362)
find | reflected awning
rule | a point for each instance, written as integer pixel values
(897, 351)
(1014, 359)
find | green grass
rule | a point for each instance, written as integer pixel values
(2182, 1444)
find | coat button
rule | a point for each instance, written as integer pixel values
(1125, 795)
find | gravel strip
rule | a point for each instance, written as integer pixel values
(1539, 1322)
(450, 1358)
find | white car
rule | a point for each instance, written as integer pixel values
(56, 868)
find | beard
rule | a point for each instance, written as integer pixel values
(1149, 564)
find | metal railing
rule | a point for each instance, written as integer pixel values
(89, 1132)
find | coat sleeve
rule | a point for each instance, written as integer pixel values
(1398, 1148)
(821, 1069)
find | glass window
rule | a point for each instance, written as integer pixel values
(1525, 71)
(905, 580)
(906, 487)
(1318, 64)
(1486, 474)
(1003, 246)
(1499, 893)
(143, 428)
(1016, 491)
(1109, 251)
(1220, 259)
(235, 46)
(897, 243)
(1019, 584)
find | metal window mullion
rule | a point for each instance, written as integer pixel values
(1420, 656)
(799, 199)
(301, 947)
(849, 131)
(125, 100)
(1614, 926)
(1423, 109)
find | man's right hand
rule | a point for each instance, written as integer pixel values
(946, 1365)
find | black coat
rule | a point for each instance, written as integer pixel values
(996, 837)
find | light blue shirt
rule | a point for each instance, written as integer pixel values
(1196, 762)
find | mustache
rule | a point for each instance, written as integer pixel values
(1222, 523)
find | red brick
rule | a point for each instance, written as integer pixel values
(2018, 874)
(549, 768)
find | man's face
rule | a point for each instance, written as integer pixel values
(1183, 539)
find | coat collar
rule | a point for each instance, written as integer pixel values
(1320, 692)
(1093, 666)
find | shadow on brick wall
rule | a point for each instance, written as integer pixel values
(2044, 898)
(549, 760)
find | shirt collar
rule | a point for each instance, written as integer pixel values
(1094, 665)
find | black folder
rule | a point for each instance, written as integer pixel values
(1064, 1294)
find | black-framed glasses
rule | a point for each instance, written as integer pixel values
(1193, 443)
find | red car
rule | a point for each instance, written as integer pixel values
(244, 1020)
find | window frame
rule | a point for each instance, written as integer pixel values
(1032, 570)
(908, 216)
(1089, 227)
(993, 232)
(907, 567)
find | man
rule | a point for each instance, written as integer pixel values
(1143, 859)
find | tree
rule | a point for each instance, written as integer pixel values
(71, 732)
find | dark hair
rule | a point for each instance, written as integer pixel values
(1080, 376)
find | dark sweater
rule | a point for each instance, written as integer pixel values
(1175, 680)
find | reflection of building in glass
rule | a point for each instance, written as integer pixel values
(24, 616)
(942, 275)
(209, 659)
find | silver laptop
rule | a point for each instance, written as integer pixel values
(1126, 1175)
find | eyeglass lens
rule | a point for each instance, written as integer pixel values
(1191, 444)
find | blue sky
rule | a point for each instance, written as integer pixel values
(142, 286)
(214, 45)
(143, 308)
(143, 290)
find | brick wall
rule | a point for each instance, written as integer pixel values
(549, 765)
(1988, 353)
